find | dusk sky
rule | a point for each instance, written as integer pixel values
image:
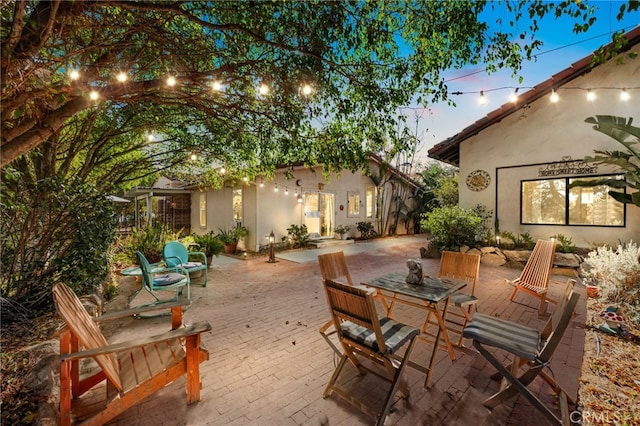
(561, 48)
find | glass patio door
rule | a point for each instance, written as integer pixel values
(319, 213)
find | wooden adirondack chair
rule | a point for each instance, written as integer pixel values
(133, 370)
(534, 279)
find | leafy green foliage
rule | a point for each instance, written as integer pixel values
(52, 231)
(366, 230)
(209, 244)
(564, 244)
(232, 235)
(299, 234)
(451, 227)
(362, 59)
(148, 240)
(627, 161)
(518, 241)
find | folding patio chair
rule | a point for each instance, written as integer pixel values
(363, 334)
(463, 267)
(534, 279)
(333, 266)
(530, 348)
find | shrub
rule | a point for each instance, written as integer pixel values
(451, 227)
(299, 235)
(209, 244)
(617, 273)
(524, 241)
(564, 244)
(149, 241)
(366, 230)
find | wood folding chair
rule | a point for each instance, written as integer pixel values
(133, 370)
(363, 334)
(333, 266)
(463, 267)
(530, 348)
(534, 279)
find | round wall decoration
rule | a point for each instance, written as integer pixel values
(478, 180)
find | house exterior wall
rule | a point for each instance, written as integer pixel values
(548, 135)
(265, 210)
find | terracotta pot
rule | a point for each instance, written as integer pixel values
(230, 248)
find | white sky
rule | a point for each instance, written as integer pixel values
(561, 48)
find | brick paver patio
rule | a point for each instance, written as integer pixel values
(269, 365)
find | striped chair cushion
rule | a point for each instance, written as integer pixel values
(518, 339)
(395, 334)
(461, 299)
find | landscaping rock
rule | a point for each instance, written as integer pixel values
(493, 259)
(429, 252)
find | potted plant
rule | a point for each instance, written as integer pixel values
(341, 230)
(230, 237)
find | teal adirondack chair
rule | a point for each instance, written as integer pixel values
(153, 280)
(174, 253)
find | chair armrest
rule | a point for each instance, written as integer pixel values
(134, 311)
(199, 253)
(180, 333)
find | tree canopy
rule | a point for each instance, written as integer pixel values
(256, 83)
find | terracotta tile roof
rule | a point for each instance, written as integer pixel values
(448, 150)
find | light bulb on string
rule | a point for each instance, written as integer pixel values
(261, 182)
(591, 96)
(624, 95)
(286, 190)
(194, 156)
(122, 77)
(216, 86)
(222, 170)
(482, 100)
(306, 89)
(554, 97)
(94, 95)
(263, 89)
(171, 81)
(275, 189)
(514, 96)
(74, 75)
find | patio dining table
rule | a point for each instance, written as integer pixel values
(392, 289)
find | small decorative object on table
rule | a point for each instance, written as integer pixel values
(415, 272)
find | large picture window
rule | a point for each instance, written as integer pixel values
(554, 202)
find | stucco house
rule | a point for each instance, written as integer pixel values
(294, 196)
(301, 196)
(520, 159)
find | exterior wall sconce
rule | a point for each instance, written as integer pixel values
(271, 239)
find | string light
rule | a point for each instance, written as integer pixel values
(591, 96)
(554, 97)
(223, 170)
(216, 86)
(122, 77)
(171, 81)
(514, 96)
(261, 182)
(286, 190)
(306, 89)
(74, 75)
(624, 95)
(275, 189)
(264, 89)
(194, 156)
(93, 95)
(483, 99)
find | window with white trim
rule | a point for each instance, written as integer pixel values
(353, 204)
